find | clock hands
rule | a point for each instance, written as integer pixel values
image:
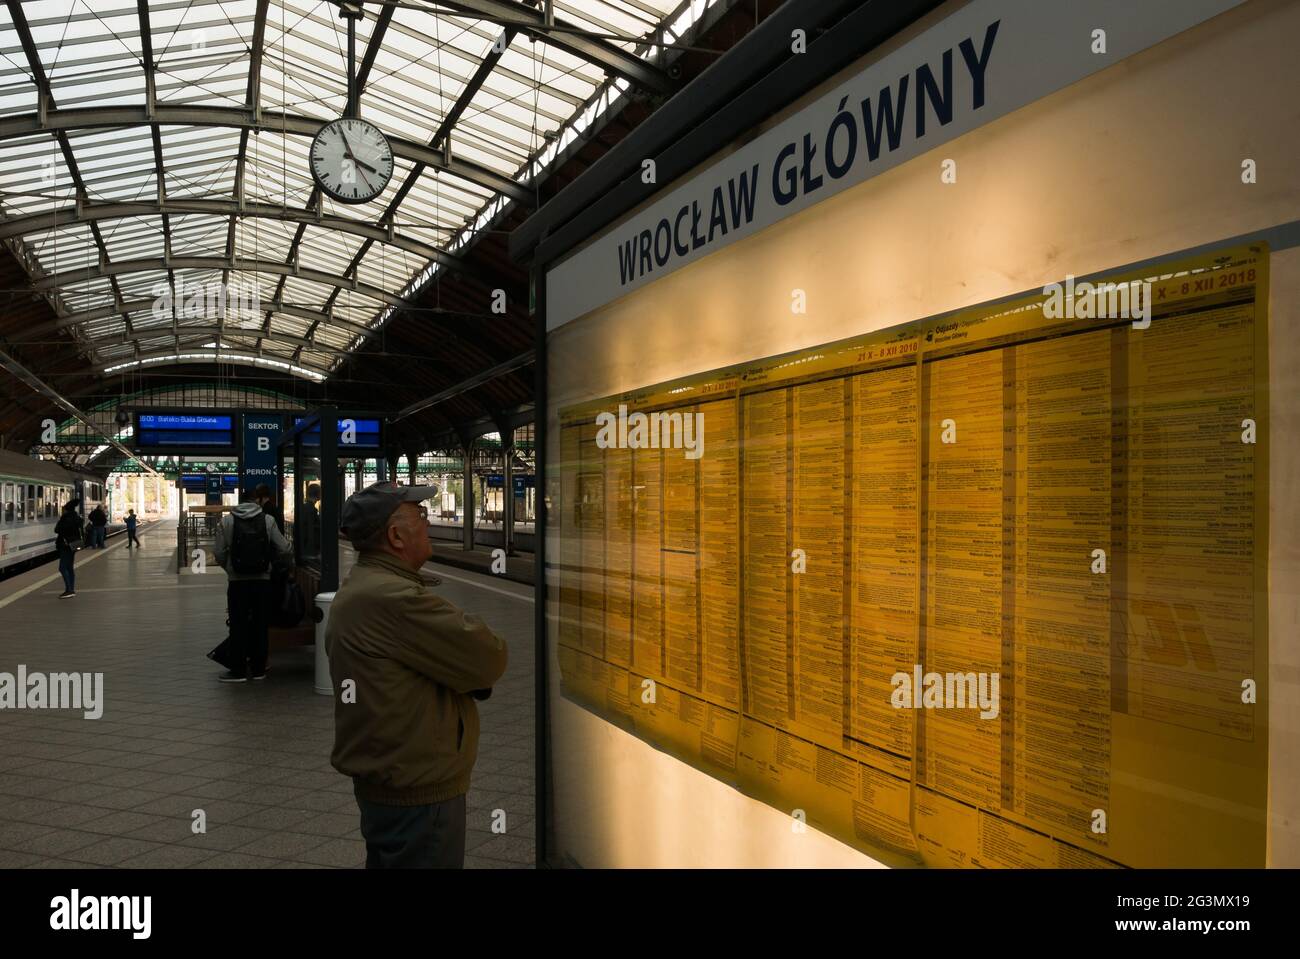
(360, 179)
(351, 153)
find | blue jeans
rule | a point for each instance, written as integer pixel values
(66, 570)
(414, 837)
(99, 536)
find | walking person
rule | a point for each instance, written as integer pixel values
(131, 521)
(409, 735)
(67, 532)
(247, 542)
(99, 526)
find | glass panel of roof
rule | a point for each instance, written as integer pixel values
(199, 161)
(518, 118)
(34, 177)
(263, 238)
(90, 53)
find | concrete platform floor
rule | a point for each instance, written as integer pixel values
(122, 790)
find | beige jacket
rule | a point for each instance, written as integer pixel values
(411, 736)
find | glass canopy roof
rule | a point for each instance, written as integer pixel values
(154, 171)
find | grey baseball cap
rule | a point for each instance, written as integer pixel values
(367, 510)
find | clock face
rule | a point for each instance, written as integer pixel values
(351, 160)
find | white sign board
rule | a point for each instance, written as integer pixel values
(985, 60)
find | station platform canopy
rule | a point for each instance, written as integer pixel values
(162, 222)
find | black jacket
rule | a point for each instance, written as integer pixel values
(68, 530)
(98, 517)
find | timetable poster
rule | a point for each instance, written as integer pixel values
(1044, 520)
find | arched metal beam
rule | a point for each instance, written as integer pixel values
(134, 306)
(53, 281)
(189, 335)
(443, 319)
(602, 53)
(81, 118)
(169, 358)
(94, 212)
(186, 337)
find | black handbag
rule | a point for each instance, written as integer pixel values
(290, 607)
(223, 655)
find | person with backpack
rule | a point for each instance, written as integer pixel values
(98, 526)
(67, 531)
(247, 543)
(131, 521)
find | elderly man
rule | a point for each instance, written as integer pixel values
(406, 666)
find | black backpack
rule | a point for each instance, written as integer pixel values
(250, 546)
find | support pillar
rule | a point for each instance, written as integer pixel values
(467, 528)
(508, 497)
(330, 500)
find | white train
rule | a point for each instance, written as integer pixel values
(32, 494)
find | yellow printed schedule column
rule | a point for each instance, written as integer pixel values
(766, 559)
(1190, 753)
(591, 533)
(620, 500)
(719, 494)
(681, 580)
(818, 527)
(882, 604)
(1064, 565)
(647, 563)
(960, 753)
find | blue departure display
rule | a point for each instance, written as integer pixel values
(178, 430)
(367, 434)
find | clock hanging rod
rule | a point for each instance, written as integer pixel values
(351, 160)
(352, 12)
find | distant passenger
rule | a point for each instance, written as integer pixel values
(131, 522)
(310, 524)
(67, 538)
(98, 526)
(408, 736)
(266, 500)
(247, 542)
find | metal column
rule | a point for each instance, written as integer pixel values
(299, 475)
(508, 500)
(468, 525)
(330, 501)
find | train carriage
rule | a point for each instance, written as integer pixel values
(32, 494)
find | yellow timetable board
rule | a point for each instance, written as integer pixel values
(1060, 501)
